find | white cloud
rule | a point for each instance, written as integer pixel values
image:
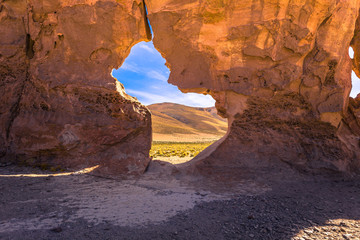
(189, 99)
(155, 87)
(157, 75)
(193, 99)
(132, 67)
(147, 98)
(145, 46)
(200, 100)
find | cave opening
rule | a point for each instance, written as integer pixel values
(355, 90)
(183, 124)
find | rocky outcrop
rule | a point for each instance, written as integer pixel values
(278, 70)
(59, 104)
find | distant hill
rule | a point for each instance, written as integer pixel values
(176, 122)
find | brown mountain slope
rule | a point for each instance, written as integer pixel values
(175, 122)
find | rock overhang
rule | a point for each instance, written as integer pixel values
(288, 59)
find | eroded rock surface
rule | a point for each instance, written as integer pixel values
(60, 106)
(278, 70)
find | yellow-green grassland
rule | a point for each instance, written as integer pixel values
(181, 132)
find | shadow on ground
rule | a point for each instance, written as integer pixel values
(313, 208)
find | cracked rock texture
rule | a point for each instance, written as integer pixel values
(59, 105)
(279, 70)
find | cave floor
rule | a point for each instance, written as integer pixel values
(162, 207)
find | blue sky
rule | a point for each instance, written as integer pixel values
(355, 85)
(355, 80)
(145, 76)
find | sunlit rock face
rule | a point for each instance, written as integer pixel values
(59, 104)
(279, 71)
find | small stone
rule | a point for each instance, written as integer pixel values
(347, 236)
(56, 230)
(251, 235)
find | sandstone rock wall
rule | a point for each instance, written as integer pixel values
(278, 69)
(60, 105)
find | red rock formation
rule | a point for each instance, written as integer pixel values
(59, 104)
(278, 70)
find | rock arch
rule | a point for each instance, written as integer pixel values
(279, 70)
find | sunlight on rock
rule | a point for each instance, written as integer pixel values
(334, 229)
(32, 175)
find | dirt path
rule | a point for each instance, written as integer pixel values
(155, 207)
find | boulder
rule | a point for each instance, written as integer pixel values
(60, 106)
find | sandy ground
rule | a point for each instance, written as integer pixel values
(174, 160)
(159, 206)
